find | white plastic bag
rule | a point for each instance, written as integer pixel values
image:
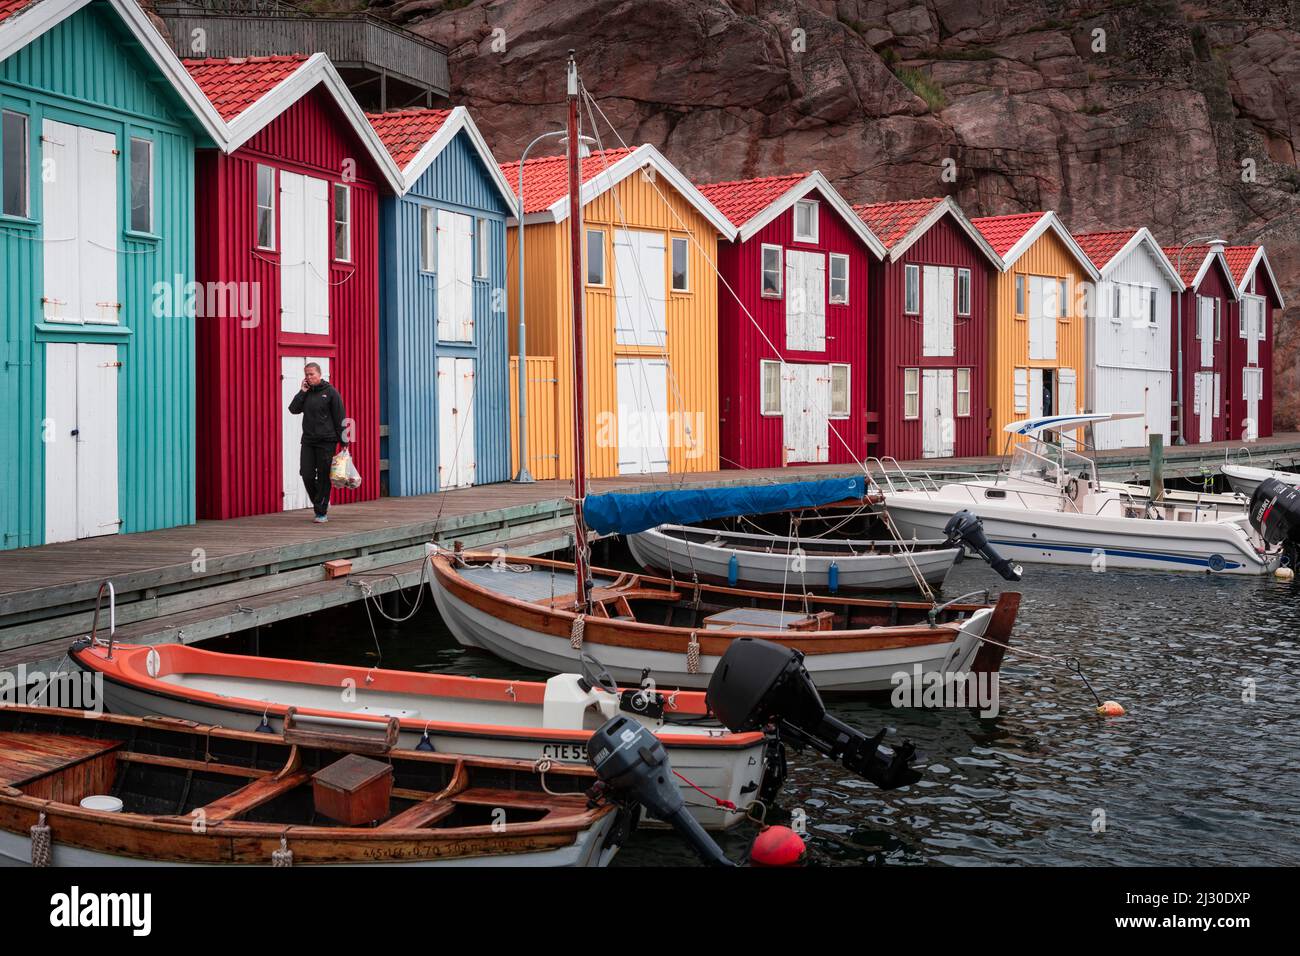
(344, 474)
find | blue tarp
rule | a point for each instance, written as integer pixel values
(630, 513)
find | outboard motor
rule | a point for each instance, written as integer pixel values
(967, 529)
(1275, 513)
(632, 763)
(759, 683)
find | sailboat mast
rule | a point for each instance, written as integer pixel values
(579, 384)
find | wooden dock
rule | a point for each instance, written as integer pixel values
(214, 578)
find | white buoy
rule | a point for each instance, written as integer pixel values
(1284, 574)
(102, 802)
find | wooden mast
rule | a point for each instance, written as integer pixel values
(579, 366)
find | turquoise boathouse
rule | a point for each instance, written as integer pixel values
(100, 123)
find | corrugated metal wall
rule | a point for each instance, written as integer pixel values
(542, 437)
(1128, 366)
(896, 343)
(458, 182)
(1216, 284)
(692, 329)
(1237, 360)
(239, 397)
(1009, 334)
(749, 438)
(89, 71)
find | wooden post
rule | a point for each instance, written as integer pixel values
(1157, 468)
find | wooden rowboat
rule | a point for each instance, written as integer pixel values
(523, 720)
(527, 610)
(196, 794)
(768, 560)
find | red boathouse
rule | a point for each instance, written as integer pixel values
(1202, 321)
(928, 324)
(287, 268)
(1250, 344)
(792, 322)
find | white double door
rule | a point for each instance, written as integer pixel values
(938, 426)
(643, 421)
(805, 405)
(291, 379)
(455, 266)
(1053, 391)
(81, 440)
(805, 301)
(938, 301)
(304, 254)
(640, 288)
(1044, 312)
(457, 464)
(1206, 402)
(1252, 390)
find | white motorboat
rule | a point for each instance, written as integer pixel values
(1047, 506)
(1245, 479)
(764, 560)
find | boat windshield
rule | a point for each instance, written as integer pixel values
(1049, 463)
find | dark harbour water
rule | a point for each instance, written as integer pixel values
(1193, 775)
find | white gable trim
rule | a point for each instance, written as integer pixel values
(1260, 257)
(1049, 220)
(34, 21)
(644, 155)
(813, 181)
(1210, 258)
(945, 208)
(316, 69)
(1143, 235)
(458, 120)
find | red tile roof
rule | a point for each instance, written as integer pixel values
(742, 199)
(1192, 258)
(546, 179)
(891, 221)
(1003, 232)
(9, 7)
(233, 84)
(1101, 247)
(1239, 258)
(405, 132)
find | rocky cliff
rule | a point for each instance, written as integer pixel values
(1183, 116)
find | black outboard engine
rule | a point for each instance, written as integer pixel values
(633, 764)
(759, 683)
(964, 528)
(1275, 514)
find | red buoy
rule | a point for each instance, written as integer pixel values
(776, 846)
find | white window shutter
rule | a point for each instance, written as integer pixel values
(316, 231)
(463, 287)
(1022, 390)
(98, 172)
(59, 196)
(293, 254)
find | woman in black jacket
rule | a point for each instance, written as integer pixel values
(321, 407)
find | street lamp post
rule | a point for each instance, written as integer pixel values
(1178, 267)
(523, 473)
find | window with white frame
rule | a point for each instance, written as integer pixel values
(1022, 390)
(596, 257)
(963, 393)
(1020, 295)
(1117, 302)
(482, 232)
(428, 239)
(912, 290)
(839, 279)
(342, 222)
(963, 292)
(681, 264)
(1218, 319)
(265, 207)
(805, 220)
(770, 384)
(772, 271)
(839, 391)
(141, 184)
(911, 393)
(14, 164)
(1062, 298)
